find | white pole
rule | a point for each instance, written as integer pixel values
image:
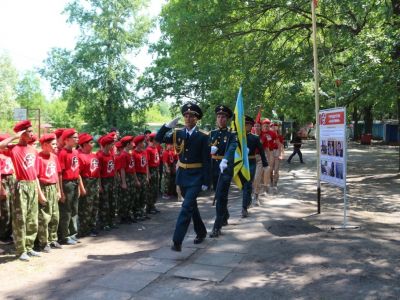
(316, 91)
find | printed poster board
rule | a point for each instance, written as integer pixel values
(333, 146)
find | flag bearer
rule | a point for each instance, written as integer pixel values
(223, 145)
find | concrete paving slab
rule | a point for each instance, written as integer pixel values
(222, 259)
(126, 281)
(203, 272)
(175, 288)
(188, 242)
(167, 253)
(99, 293)
(153, 265)
(229, 245)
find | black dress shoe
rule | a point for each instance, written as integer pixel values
(215, 233)
(244, 213)
(199, 239)
(176, 247)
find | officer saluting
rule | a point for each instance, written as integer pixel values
(223, 145)
(191, 144)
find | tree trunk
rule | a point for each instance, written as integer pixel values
(368, 119)
(355, 117)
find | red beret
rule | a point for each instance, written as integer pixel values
(47, 138)
(119, 145)
(4, 136)
(84, 138)
(126, 139)
(22, 125)
(106, 140)
(58, 132)
(138, 139)
(266, 121)
(68, 133)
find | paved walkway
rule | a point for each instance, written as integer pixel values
(283, 250)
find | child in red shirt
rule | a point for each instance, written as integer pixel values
(154, 167)
(142, 173)
(90, 174)
(7, 184)
(107, 206)
(70, 188)
(28, 191)
(169, 159)
(49, 169)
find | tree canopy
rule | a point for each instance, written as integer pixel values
(97, 77)
(209, 48)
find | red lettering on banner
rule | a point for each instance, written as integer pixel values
(333, 118)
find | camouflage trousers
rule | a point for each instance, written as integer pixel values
(153, 188)
(142, 193)
(127, 198)
(25, 216)
(48, 216)
(168, 183)
(8, 183)
(107, 205)
(88, 206)
(68, 210)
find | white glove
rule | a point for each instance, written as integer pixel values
(173, 123)
(204, 188)
(214, 149)
(248, 150)
(223, 165)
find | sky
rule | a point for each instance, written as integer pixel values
(30, 28)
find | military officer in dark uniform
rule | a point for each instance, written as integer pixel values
(253, 143)
(223, 145)
(193, 174)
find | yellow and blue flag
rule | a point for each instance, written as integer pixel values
(241, 170)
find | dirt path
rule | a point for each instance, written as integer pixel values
(286, 250)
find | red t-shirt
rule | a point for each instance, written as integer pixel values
(49, 168)
(169, 157)
(25, 162)
(140, 161)
(107, 164)
(268, 139)
(6, 166)
(129, 163)
(69, 163)
(89, 165)
(153, 157)
(119, 163)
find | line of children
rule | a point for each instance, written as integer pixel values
(66, 191)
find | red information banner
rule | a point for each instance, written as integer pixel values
(331, 118)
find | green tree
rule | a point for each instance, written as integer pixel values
(8, 83)
(209, 48)
(29, 93)
(97, 77)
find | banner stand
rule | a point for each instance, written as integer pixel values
(345, 226)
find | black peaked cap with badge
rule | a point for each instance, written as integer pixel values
(222, 109)
(192, 108)
(249, 120)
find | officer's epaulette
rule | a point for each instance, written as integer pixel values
(203, 131)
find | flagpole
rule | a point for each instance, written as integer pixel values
(316, 91)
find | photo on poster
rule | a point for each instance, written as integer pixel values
(324, 147)
(331, 150)
(325, 167)
(338, 148)
(339, 170)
